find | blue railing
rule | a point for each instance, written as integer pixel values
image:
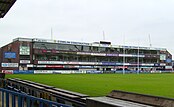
(10, 98)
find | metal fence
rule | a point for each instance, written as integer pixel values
(10, 98)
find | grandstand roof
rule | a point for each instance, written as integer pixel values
(5, 6)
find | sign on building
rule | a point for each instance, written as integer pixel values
(9, 64)
(24, 61)
(9, 55)
(7, 71)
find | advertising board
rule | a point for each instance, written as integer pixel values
(168, 60)
(67, 62)
(79, 72)
(156, 64)
(57, 71)
(30, 65)
(130, 55)
(119, 63)
(143, 64)
(9, 55)
(73, 63)
(41, 66)
(111, 54)
(98, 54)
(93, 72)
(54, 66)
(23, 72)
(24, 61)
(168, 67)
(64, 72)
(83, 53)
(162, 64)
(86, 63)
(51, 62)
(60, 41)
(43, 71)
(70, 66)
(88, 53)
(108, 63)
(126, 63)
(7, 71)
(9, 64)
(85, 66)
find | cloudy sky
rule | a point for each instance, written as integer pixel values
(85, 21)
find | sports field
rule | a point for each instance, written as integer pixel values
(102, 84)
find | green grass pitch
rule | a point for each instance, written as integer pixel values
(102, 84)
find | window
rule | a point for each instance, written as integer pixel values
(24, 57)
(102, 49)
(95, 49)
(86, 48)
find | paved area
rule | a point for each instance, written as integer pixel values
(117, 102)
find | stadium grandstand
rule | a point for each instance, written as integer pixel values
(57, 56)
(5, 6)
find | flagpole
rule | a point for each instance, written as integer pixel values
(138, 58)
(124, 54)
(51, 34)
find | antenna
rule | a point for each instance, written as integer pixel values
(103, 35)
(150, 41)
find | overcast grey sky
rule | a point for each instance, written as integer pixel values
(85, 20)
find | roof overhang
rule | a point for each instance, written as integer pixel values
(5, 6)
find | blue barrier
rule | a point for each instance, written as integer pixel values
(21, 98)
(23, 71)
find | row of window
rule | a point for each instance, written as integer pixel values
(94, 59)
(67, 47)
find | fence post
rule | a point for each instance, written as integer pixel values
(28, 102)
(7, 99)
(41, 104)
(2, 98)
(22, 103)
(50, 105)
(32, 103)
(13, 101)
(19, 101)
